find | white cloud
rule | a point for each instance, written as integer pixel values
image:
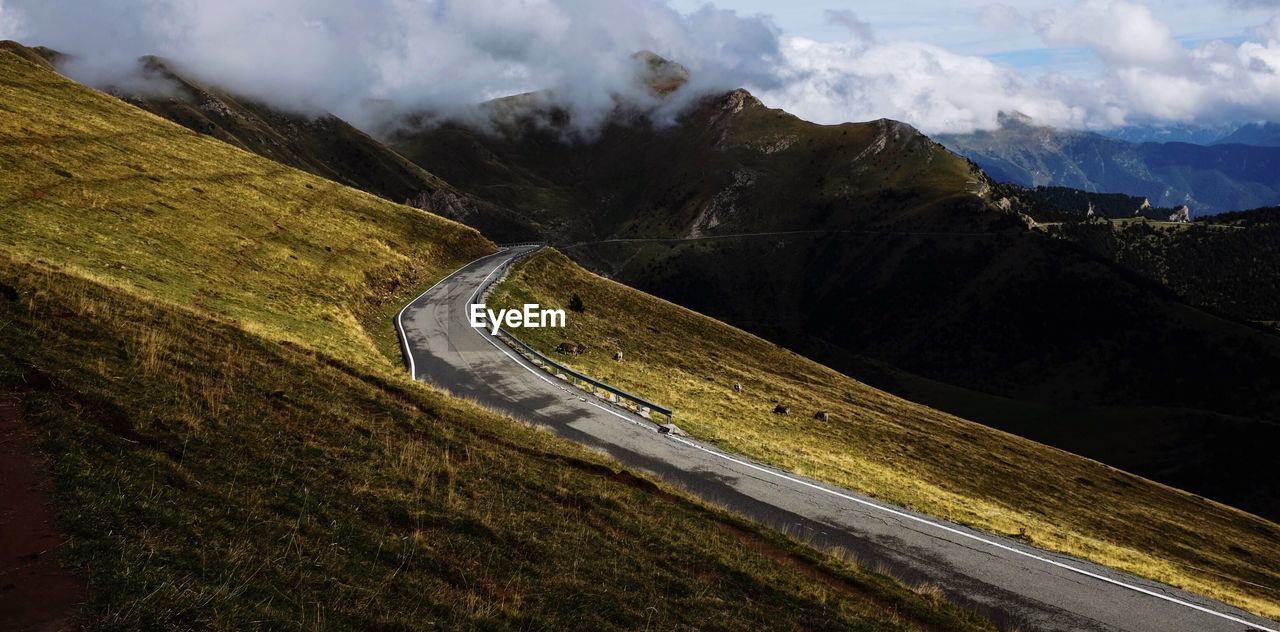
(1269, 31)
(925, 85)
(1142, 75)
(333, 55)
(9, 26)
(1254, 4)
(1001, 18)
(847, 19)
(1120, 31)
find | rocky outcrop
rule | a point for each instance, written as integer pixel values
(660, 75)
(735, 101)
(722, 207)
(445, 204)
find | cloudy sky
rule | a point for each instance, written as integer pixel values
(943, 66)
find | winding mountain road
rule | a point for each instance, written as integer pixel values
(1015, 584)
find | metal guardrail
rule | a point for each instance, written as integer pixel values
(644, 406)
(614, 395)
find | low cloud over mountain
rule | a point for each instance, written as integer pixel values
(334, 56)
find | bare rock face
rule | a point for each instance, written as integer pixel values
(1180, 214)
(662, 76)
(444, 203)
(735, 101)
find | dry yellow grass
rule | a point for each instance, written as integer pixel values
(126, 198)
(893, 449)
(185, 321)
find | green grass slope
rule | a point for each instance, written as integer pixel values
(211, 478)
(199, 337)
(320, 144)
(892, 448)
(119, 195)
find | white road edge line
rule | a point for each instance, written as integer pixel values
(404, 339)
(866, 503)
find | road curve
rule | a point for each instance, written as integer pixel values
(1014, 584)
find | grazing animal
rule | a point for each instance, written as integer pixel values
(822, 416)
(737, 387)
(781, 410)
(568, 348)
(617, 356)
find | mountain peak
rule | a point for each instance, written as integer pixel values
(1014, 119)
(736, 100)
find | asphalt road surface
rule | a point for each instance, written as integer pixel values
(1014, 584)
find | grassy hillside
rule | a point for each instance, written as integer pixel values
(211, 478)
(894, 449)
(112, 193)
(196, 333)
(320, 144)
(1015, 330)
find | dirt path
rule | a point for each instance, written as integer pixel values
(35, 593)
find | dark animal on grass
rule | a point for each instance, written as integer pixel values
(781, 410)
(569, 348)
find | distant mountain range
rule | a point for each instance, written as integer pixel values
(1259, 134)
(1209, 179)
(1175, 133)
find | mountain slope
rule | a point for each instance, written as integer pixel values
(1229, 262)
(1208, 179)
(323, 145)
(1259, 134)
(877, 443)
(874, 251)
(198, 337)
(727, 165)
